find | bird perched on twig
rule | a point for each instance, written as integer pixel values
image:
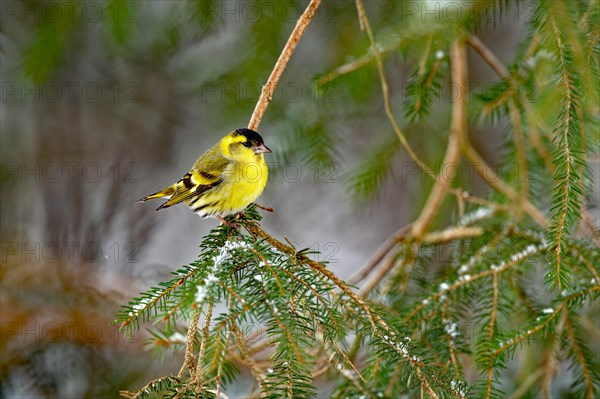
(224, 180)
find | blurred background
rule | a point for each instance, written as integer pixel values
(104, 102)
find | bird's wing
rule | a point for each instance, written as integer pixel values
(207, 172)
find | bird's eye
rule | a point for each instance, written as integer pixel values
(247, 144)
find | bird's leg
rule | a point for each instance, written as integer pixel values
(226, 223)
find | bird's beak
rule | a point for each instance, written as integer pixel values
(261, 149)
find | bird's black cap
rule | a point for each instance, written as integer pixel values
(251, 135)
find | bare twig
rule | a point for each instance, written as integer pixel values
(268, 89)
(488, 56)
(389, 264)
(452, 233)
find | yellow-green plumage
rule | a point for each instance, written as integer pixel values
(224, 180)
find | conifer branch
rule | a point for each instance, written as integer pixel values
(515, 117)
(374, 319)
(360, 385)
(536, 140)
(463, 281)
(550, 361)
(136, 313)
(398, 332)
(519, 338)
(566, 202)
(587, 265)
(530, 381)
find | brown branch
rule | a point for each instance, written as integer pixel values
(403, 235)
(452, 233)
(458, 134)
(390, 263)
(488, 56)
(381, 253)
(488, 174)
(268, 89)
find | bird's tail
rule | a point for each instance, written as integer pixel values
(166, 192)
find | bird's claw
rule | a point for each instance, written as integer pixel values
(233, 225)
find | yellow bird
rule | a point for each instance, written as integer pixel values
(224, 180)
